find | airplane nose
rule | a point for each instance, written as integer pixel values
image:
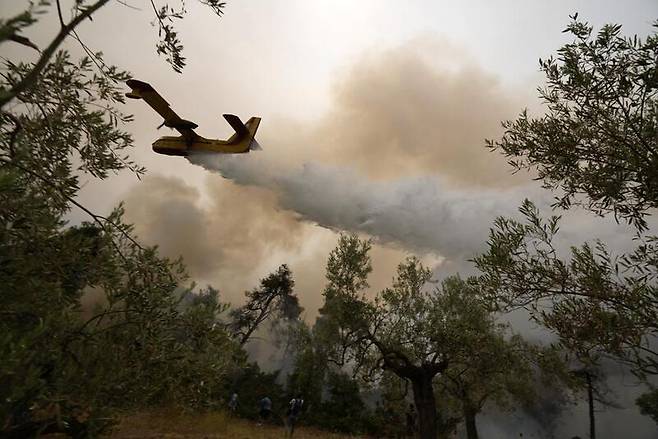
(170, 151)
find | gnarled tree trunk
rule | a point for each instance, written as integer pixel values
(469, 419)
(590, 400)
(425, 404)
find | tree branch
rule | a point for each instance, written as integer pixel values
(48, 52)
(14, 133)
(98, 219)
(59, 14)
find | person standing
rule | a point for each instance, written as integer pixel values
(294, 410)
(265, 408)
(233, 403)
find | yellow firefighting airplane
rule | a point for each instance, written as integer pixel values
(242, 141)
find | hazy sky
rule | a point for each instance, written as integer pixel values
(374, 119)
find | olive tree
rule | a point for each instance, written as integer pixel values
(413, 331)
(64, 363)
(596, 303)
(596, 147)
(500, 370)
(598, 140)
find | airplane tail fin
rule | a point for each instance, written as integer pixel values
(243, 131)
(252, 126)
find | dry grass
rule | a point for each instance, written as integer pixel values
(172, 423)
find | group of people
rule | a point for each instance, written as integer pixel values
(293, 411)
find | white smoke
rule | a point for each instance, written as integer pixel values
(420, 213)
(423, 213)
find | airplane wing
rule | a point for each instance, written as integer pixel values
(144, 90)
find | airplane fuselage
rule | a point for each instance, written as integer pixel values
(177, 145)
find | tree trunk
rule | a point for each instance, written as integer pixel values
(469, 419)
(590, 397)
(426, 406)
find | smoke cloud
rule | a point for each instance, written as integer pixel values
(406, 127)
(230, 237)
(423, 108)
(235, 235)
(399, 157)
